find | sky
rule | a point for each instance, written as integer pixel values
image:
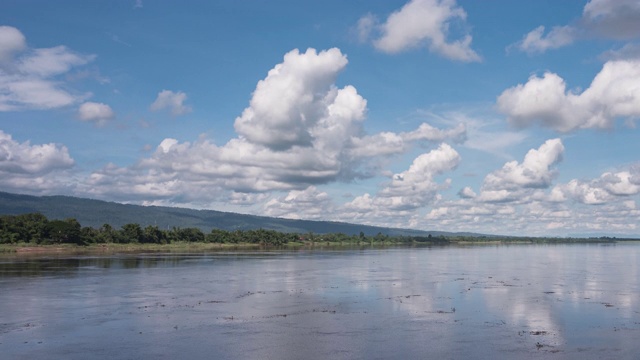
(499, 117)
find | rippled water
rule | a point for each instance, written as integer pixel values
(516, 302)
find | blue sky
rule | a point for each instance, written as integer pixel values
(504, 117)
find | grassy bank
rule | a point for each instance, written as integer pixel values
(107, 249)
(27, 248)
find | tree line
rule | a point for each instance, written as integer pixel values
(35, 228)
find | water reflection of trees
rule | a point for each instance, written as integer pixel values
(74, 266)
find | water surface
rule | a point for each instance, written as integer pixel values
(518, 302)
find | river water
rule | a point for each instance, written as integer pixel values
(574, 301)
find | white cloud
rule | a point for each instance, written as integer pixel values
(628, 51)
(467, 193)
(610, 19)
(298, 97)
(612, 94)
(24, 158)
(309, 203)
(390, 143)
(246, 199)
(409, 190)
(616, 19)
(32, 168)
(138, 4)
(421, 22)
(365, 26)
(584, 192)
(516, 195)
(173, 101)
(95, 112)
(12, 42)
(607, 188)
(204, 172)
(621, 183)
(497, 196)
(430, 133)
(51, 61)
(299, 131)
(20, 93)
(381, 144)
(535, 218)
(28, 76)
(535, 171)
(536, 42)
(520, 182)
(416, 186)
(523, 196)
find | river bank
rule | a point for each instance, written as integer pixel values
(26, 249)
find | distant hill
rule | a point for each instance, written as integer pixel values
(95, 213)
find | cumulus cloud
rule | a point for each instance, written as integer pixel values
(246, 199)
(616, 19)
(610, 19)
(31, 168)
(535, 171)
(416, 185)
(298, 97)
(173, 101)
(628, 51)
(521, 194)
(98, 113)
(12, 42)
(411, 189)
(467, 193)
(309, 203)
(381, 144)
(623, 183)
(299, 131)
(586, 193)
(390, 143)
(28, 77)
(419, 23)
(613, 94)
(536, 218)
(520, 181)
(607, 188)
(25, 158)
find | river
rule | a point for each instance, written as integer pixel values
(577, 301)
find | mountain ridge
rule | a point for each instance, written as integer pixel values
(95, 213)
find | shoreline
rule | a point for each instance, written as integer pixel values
(26, 249)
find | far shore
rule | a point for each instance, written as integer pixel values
(27, 249)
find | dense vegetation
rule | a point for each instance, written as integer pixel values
(37, 229)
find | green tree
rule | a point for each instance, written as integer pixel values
(187, 235)
(107, 234)
(217, 236)
(65, 231)
(132, 233)
(152, 234)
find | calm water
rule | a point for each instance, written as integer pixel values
(515, 302)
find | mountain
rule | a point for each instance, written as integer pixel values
(95, 213)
